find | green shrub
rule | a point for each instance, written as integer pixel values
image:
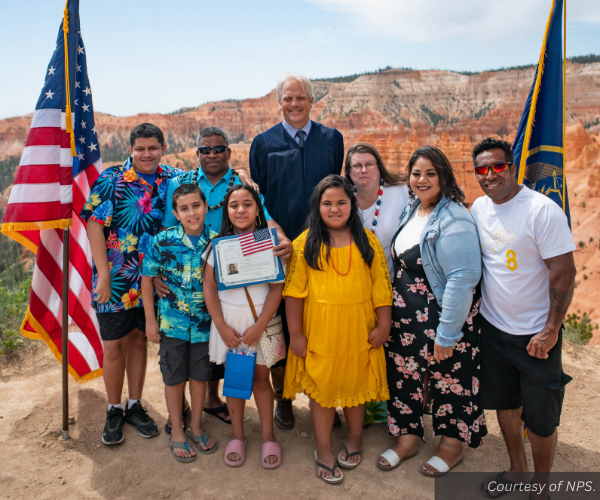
(579, 329)
(10, 342)
(8, 167)
(13, 304)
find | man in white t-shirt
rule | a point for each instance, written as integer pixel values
(527, 286)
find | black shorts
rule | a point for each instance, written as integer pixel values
(511, 378)
(116, 325)
(181, 360)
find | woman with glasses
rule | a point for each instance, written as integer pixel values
(433, 352)
(382, 196)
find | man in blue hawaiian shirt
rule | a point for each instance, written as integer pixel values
(124, 210)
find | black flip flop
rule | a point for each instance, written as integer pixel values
(186, 414)
(215, 412)
(499, 479)
(330, 480)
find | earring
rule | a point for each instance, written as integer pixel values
(259, 221)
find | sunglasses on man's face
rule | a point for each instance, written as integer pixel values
(205, 150)
(496, 167)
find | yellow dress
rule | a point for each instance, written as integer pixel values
(341, 367)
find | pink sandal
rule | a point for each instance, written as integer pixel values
(236, 446)
(270, 448)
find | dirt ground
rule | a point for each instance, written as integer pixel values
(36, 463)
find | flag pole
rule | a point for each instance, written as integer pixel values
(65, 336)
(66, 236)
(564, 179)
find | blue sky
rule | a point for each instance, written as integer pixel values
(153, 56)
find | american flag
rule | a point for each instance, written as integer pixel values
(256, 242)
(51, 186)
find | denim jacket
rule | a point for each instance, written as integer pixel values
(452, 262)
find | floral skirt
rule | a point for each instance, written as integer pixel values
(453, 384)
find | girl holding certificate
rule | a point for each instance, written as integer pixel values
(338, 304)
(233, 324)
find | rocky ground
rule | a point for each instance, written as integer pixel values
(36, 463)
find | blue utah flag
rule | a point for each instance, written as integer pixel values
(539, 146)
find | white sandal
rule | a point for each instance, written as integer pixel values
(393, 459)
(442, 467)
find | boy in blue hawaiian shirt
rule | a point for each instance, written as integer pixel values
(123, 212)
(183, 328)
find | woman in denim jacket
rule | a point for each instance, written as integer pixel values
(433, 350)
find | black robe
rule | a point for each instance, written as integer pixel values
(287, 174)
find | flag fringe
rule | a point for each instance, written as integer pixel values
(11, 229)
(536, 91)
(41, 334)
(19, 238)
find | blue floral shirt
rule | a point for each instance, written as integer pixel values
(182, 314)
(131, 211)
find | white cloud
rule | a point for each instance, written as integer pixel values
(433, 20)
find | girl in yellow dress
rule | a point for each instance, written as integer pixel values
(338, 300)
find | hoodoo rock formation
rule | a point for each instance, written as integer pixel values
(398, 111)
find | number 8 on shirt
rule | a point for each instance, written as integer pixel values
(511, 260)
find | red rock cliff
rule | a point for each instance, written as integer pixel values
(399, 111)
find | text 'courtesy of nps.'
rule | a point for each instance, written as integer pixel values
(558, 485)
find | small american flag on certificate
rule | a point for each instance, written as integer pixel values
(256, 242)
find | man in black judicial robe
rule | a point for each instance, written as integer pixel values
(287, 162)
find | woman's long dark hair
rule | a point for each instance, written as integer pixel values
(227, 228)
(443, 167)
(318, 233)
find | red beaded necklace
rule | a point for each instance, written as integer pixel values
(349, 263)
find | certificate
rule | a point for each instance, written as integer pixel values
(234, 270)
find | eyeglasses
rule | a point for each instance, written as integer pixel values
(357, 167)
(496, 167)
(205, 150)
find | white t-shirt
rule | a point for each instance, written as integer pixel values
(411, 232)
(515, 238)
(393, 201)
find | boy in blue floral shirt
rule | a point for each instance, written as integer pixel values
(183, 327)
(124, 210)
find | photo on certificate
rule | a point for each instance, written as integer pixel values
(247, 259)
